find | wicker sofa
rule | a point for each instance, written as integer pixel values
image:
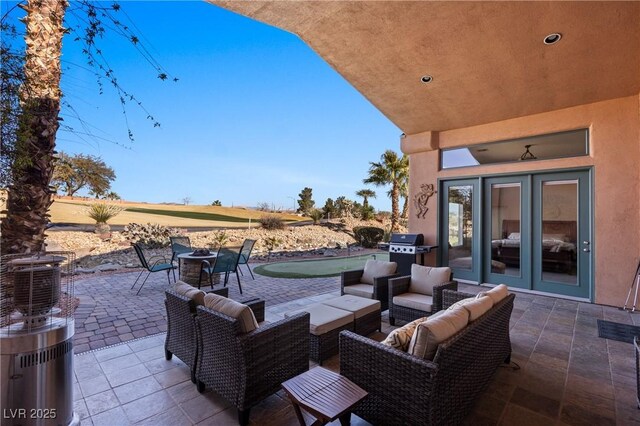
(406, 389)
(181, 327)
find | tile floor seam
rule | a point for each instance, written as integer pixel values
(534, 349)
(566, 379)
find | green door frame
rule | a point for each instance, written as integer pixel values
(480, 264)
(443, 252)
(583, 286)
(523, 280)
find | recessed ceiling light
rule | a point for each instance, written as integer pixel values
(426, 79)
(552, 38)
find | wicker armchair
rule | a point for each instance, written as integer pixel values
(376, 274)
(181, 326)
(246, 368)
(409, 302)
(406, 389)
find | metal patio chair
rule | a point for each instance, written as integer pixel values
(179, 245)
(227, 262)
(245, 252)
(155, 264)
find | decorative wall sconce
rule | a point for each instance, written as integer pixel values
(421, 199)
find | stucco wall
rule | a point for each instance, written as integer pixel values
(614, 154)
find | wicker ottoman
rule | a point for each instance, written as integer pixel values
(325, 325)
(366, 312)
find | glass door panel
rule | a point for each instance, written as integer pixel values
(562, 234)
(559, 231)
(506, 230)
(460, 216)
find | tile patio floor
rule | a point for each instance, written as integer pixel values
(568, 375)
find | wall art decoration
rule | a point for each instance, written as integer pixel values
(421, 199)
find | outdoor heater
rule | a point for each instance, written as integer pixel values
(36, 338)
(404, 250)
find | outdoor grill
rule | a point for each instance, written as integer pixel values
(404, 249)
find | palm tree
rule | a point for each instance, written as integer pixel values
(366, 194)
(29, 196)
(404, 193)
(391, 170)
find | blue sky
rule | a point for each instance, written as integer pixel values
(255, 116)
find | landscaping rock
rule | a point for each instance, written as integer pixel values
(93, 254)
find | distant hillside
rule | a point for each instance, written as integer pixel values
(67, 210)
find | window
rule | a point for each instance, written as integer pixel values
(573, 143)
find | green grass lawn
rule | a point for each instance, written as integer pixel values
(189, 215)
(316, 268)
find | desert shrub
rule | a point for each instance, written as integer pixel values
(219, 239)
(102, 212)
(367, 213)
(150, 235)
(271, 222)
(368, 236)
(316, 215)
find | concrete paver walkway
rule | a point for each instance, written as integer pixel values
(110, 312)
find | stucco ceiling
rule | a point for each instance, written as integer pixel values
(487, 59)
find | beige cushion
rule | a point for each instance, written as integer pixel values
(496, 294)
(358, 305)
(236, 310)
(324, 318)
(423, 278)
(476, 306)
(417, 301)
(377, 268)
(360, 290)
(189, 291)
(401, 337)
(429, 334)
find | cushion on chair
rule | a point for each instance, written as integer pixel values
(401, 337)
(423, 278)
(236, 310)
(358, 305)
(430, 333)
(324, 318)
(377, 268)
(417, 301)
(476, 306)
(360, 290)
(186, 290)
(496, 294)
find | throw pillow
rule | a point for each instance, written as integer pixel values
(476, 306)
(377, 268)
(189, 291)
(236, 310)
(400, 337)
(429, 334)
(423, 278)
(496, 294)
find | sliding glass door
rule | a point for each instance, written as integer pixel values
(561, 233)
(460, 230)
(507, 233)
(528, 231)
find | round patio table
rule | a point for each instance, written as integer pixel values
(191, 267)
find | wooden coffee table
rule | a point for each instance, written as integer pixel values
(324, 394)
